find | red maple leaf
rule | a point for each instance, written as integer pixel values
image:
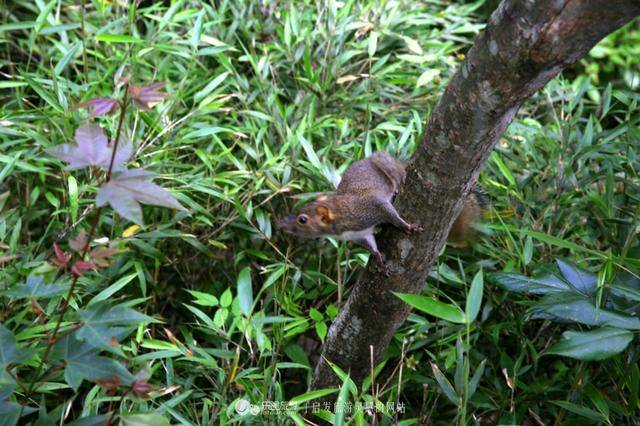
(81, 266)
(99, 106)
(61, 257)
(145, 97)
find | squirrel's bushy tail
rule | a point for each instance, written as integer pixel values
(462, 229)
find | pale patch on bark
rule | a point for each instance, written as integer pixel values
(493, 47)
(404, 246)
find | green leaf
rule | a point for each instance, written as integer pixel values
(210, 87)
(310, 396)
(204, 299)
(10, 412)
(146, 419)
(205, 318)
(503, 168)
(341, 403)
(311, 154)
(527, 252)
(78, 354)
(577, 308)
(220, 317)
(321, 329)
(633, 384)
(41, 20)
(245, 291)
(44, 94)
(12, 26)
(102, 325)
(118, 38)
(97, 420)
(582, 280)
(412, 45)
(559, 242)
(70, 347)
(445, 385)
(105, 315)
(197, 30)
(474, 298)
(103, 337)
(626, 286)
(580, 410)
(10, 352)
(543, 284)
(599, 401)
(475, 380)
(433, 307)
(297, 354)
(592, 345)
(112, 289)
(66, 58)
(94, 368)
(36, 288)
(285, 365)
(226, 298)
(344, 377)
(315, 315)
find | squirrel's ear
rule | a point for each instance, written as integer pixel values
(326, 215)
(322, 197)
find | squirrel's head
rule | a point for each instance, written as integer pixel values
(311, 220)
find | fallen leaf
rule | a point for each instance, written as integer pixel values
(363, 30)
(110, 384)
(346, 79)
(141, 388)
(130, 231)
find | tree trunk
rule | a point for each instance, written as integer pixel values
(525, 44)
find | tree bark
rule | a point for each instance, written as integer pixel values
(525, 44)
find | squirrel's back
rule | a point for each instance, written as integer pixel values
(380, 172)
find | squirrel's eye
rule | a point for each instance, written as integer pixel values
(302, 219)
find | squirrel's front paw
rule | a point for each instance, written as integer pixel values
(413, 228)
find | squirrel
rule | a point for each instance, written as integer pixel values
(363, 200)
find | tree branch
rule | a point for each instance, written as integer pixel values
(525, 44)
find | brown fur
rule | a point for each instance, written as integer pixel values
(378, 173)
(363, 200)
(462, 228)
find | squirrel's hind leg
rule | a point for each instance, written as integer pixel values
(392, 217)
(369, 242)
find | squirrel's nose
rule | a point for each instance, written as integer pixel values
(285, 223)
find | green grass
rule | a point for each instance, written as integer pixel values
(268, 104)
